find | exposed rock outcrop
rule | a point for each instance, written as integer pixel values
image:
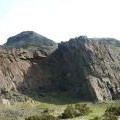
(88, 68)
(85, 67)
(19, 69)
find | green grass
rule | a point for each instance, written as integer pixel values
(55, 103)
(97, 109)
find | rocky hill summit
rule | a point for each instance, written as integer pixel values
(86, 68)
(31, 40)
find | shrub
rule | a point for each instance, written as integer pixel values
(111, 113)
(106, 116)
(82, 108)
(109, 116)
(42, 117)
(46, 110)
(68, 112)
(114, 110)
(32, 118)
(78, 110)
(95, 118)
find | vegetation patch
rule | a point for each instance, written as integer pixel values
(42, 117)
(114, 110)
(111, 113)
(77, 110)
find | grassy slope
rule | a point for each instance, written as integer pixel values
(56, 105)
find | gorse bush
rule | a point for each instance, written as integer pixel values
(82, 108)
(69, 112)
(106, 116)
(111, 113)
(78, 110)
(32, 118)
(114, 110)
(42, 117)
(96, 118)
(109, 116)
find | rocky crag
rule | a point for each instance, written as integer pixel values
(87, 68)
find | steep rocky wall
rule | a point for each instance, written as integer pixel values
(85, 68)
(90, 69)
(105, 68)
(19, 70)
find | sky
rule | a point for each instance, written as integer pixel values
(60, 20)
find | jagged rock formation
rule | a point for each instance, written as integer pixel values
(15, 69)
(21, 71)
(87, 68)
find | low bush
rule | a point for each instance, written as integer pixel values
(69, 112)
(96, 118)
(42, 117)
(109, 116)
(111, 113)
(82, 108)
(114, 110)
(78, 110)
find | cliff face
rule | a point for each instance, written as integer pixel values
(87, 68)
(21, 70)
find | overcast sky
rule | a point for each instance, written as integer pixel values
(60, 20)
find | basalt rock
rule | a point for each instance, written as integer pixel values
(20, 70)
(88, 68)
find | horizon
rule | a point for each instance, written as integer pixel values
(60, 20)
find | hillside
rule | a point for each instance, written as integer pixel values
(31, 40)
(85, 68)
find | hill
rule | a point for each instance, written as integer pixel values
(31, 40)
(84, 68)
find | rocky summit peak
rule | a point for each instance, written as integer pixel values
(80, 39)
(31, 40)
